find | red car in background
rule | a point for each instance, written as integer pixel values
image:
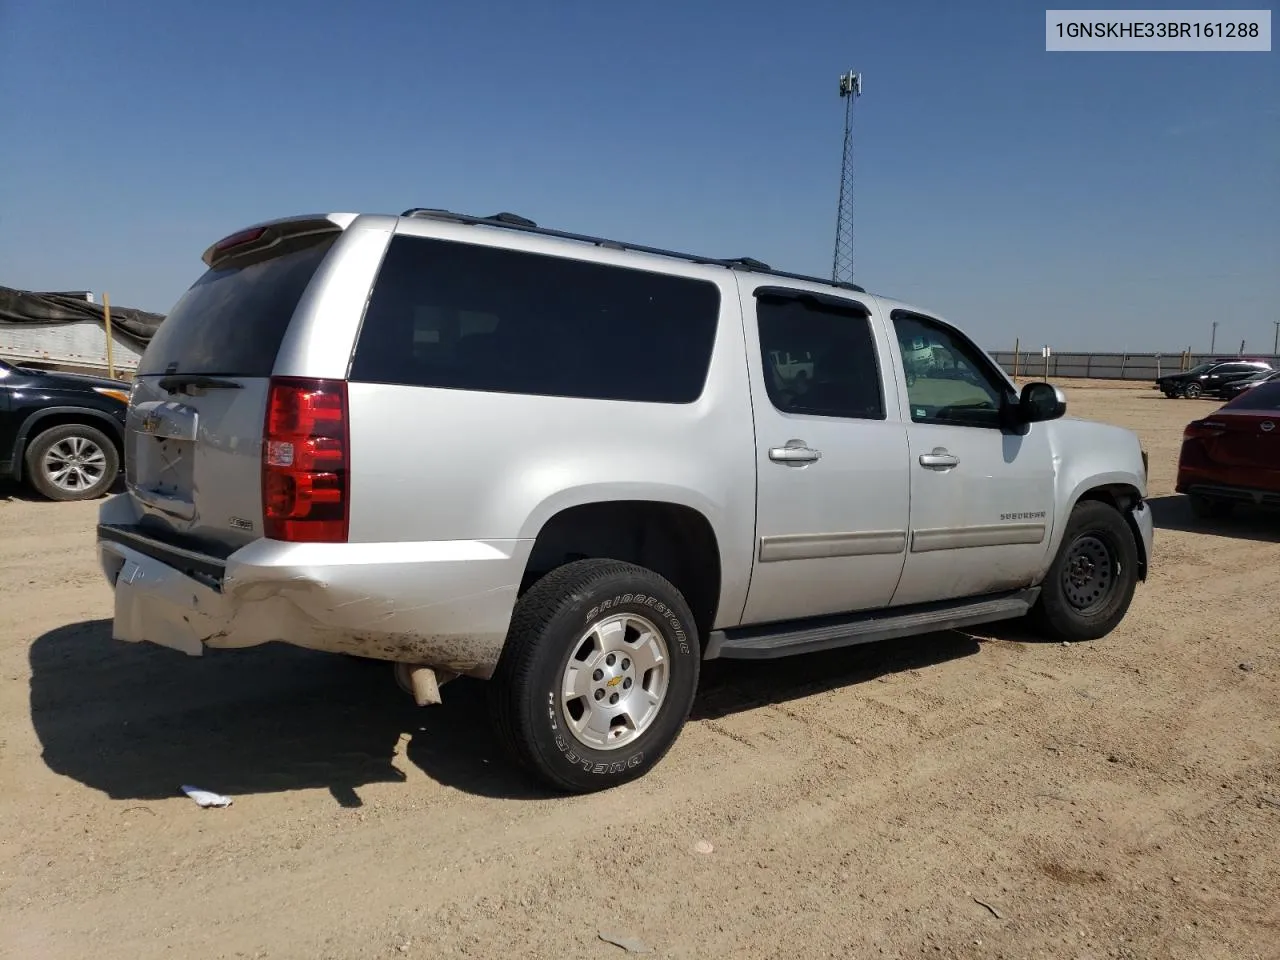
(1233, 455)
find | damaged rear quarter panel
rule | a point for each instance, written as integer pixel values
(342, 598)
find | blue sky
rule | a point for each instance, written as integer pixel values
(1090, 201)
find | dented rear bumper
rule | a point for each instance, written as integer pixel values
(443, 604)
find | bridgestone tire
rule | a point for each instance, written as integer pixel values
(1055, 615)
(547, 628)
(44, 484)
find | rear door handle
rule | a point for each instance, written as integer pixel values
(939, 459)
(795, 453)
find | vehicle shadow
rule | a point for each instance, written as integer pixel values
(12, 490)
(1245, 523)
(137, 721)
(731, 686)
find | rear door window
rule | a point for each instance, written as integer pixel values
(469, 317)
(234, 318)
(818, 359)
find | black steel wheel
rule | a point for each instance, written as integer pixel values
(1092, 579)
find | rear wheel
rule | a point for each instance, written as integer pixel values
(72, 461)
(1092, 579)
(597, 676)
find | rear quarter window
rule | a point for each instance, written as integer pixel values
(468, 317)
(232, 320)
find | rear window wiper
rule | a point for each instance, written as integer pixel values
(177, 381)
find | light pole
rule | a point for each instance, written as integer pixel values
(1275, 347)
(1213, 337)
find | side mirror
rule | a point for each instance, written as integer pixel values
(1041, 401)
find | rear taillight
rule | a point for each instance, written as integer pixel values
(1202, 430)
(305, 461)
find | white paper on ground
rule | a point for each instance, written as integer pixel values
(205, 798)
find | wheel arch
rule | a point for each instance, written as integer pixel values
(48, 417)
(674, 539)
(1122, 495)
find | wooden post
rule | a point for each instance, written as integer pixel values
(1015, 357)
(1046, 365)
(106, 319)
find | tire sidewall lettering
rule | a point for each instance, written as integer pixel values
(658, 607)
(569, 749)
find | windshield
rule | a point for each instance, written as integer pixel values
(1202, 368)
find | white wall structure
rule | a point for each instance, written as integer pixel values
(70, 344)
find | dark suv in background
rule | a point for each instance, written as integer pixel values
(1209, 379)
(61, 432)
(1229, 391)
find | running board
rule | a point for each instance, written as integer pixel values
(773, 640)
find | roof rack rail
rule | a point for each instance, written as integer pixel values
(750, 263)
(512, 221)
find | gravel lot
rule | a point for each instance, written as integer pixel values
(952, 796)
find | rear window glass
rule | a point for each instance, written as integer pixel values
(233, 319)
(468, 317)
(1265, 396)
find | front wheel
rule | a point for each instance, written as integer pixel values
(1092, 579)
(1192, 391)
(597, 676)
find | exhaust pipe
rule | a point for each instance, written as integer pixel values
(422, 682)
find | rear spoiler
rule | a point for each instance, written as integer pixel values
(270, 233)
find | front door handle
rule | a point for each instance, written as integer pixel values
(939, 459)
(794, 453)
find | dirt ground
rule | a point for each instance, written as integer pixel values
(951, 796)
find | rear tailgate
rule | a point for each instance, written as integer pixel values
(193, 447)
(1243, 437)
(1240, 440)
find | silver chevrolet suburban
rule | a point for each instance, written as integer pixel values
(575, 468)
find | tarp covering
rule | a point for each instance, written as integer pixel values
(21, 306)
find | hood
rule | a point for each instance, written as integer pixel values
(79, 380)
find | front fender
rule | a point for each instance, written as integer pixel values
(1099, 461)
(1126, 490)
